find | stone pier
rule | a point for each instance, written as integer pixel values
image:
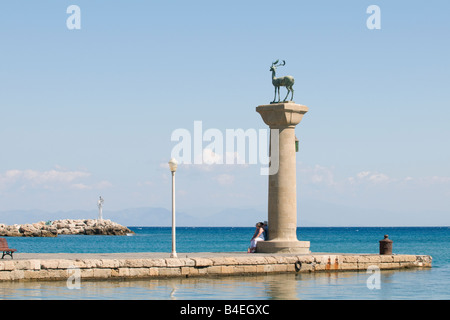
(94, 266)
(282, 207)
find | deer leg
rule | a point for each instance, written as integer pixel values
(275, 97)
(279, 98)
(292, 96)
(286, 94)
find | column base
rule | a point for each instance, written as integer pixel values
(283, 246)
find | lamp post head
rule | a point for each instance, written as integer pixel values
(173, 164)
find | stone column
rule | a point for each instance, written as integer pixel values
(282, 207)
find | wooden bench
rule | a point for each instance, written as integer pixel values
(6, 250)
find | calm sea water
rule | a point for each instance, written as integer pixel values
(431, 283)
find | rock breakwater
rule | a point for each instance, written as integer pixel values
(65, 226)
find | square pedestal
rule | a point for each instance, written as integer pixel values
(283, 246)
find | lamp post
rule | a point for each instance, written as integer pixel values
(173, 167)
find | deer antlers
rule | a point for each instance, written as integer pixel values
(274, 64)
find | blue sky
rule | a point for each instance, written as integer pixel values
(90, 112)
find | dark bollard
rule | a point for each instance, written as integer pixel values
(386, 245)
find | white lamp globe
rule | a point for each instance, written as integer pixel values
(173, 164)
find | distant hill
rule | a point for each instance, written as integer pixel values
(141, 217)
(310, 214)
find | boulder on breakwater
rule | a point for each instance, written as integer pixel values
(65, 226)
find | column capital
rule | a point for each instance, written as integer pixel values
(283, 114)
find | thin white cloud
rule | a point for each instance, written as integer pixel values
(225, 179)
(208, 160)
(103, 184)
(371, 177)
(43, 177)
(210, 157)
(437, 180)
(81, 186)
(318, 175)
(50, 179)
(325, 176)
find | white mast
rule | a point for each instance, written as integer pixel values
(100, 206)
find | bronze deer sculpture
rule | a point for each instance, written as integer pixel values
(286, 81)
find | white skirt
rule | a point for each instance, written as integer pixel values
(254, 241)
